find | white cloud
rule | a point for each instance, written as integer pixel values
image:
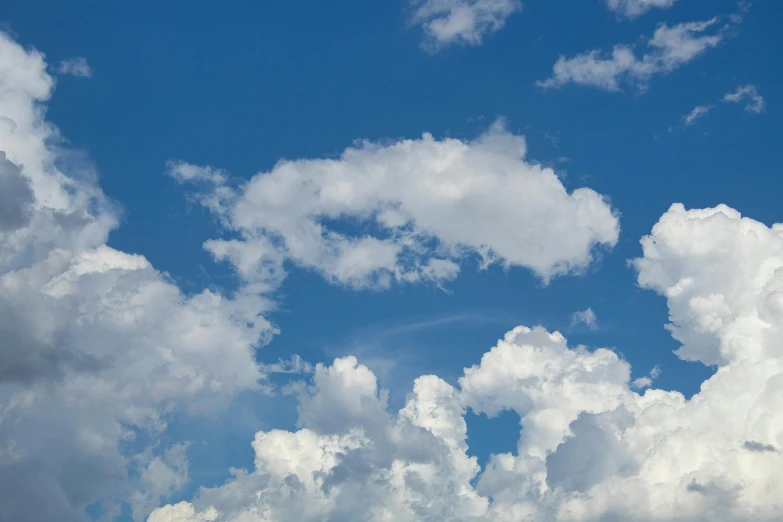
(634, 8)
(590, 447)
(668, 49)
(415, 208)
(448, 22)
(293, 365)
(183, 512)
(96, 346)
(756, 102)
(645, 382)
(586, 317)
(695, 114)
(734, 299)
(183, 172)
(100, 348)
(75, 67)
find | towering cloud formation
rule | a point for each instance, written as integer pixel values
(590, 447)
(95, 344)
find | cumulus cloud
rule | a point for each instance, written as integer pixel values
(590, 447)
(408, 211)
(100, 348)
(448, 22)
(634, 8)
(669, 49)
(749, 93)
(96, 346)
(697, 112)
(586, 317)
(75, 67)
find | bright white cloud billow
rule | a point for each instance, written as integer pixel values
(95, 344)
(590, 447)
(749, 93)
(634, 8)
(415, 208)
(448, 22)
(668, 49)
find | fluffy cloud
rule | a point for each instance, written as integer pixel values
(447, 22)
(756, 102)
(96, 346)
(75, 67)
(414, 208)
(634, 8)
(99, 348)
(668, 49)
(590, 447)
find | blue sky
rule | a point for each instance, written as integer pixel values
(143, 88)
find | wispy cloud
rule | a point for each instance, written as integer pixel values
(77, 66)
(294, 365)
(749, 93)
(447, 22)
(586, 317)
(668, 49)
(182, 172)
(645, 382)
(634, 8)
(698, 112)
(390, 348)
